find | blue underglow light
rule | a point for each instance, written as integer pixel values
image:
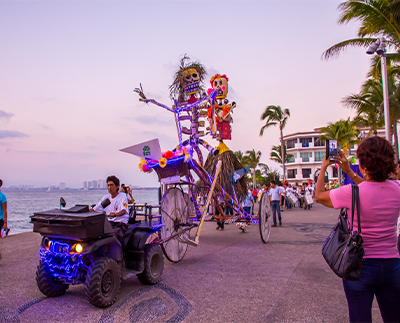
(67, 267)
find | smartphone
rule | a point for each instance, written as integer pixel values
(331, 149)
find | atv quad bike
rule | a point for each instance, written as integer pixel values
(79, 247)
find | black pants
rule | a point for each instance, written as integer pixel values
(228, 210)
(119, 229)
(220, 223)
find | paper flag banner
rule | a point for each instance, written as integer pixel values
(149, 149)
(238, 174)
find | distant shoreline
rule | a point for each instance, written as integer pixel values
(44, 189)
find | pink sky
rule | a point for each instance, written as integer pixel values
(69, 70)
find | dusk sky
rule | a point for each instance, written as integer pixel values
(68, 70)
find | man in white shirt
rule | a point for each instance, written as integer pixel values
(275, 198)
(117, 210)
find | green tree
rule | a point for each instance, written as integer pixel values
(344, 131)
(275, 115)
(377, 17)
(276, 154)
(241, 158)
(369, 103)
(252, 158)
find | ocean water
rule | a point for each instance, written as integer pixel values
(22, 204)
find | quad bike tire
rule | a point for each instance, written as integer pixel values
(153, 265)
(47, 284)
(103, 282)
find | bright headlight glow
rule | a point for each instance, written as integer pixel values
(78, 248)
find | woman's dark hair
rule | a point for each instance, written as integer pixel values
(1, 183)
(376, 155)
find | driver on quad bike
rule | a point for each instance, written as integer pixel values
(117, 210)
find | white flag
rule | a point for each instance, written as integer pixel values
(148, 149)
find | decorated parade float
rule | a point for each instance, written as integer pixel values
(182, 172)
(80, 247)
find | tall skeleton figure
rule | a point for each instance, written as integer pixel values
(190, 104)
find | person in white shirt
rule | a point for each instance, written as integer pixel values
(117, 210)
(308, 191)
(275, 198)
(288, 191)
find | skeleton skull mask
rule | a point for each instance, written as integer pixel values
(192, 81)
(220, 83)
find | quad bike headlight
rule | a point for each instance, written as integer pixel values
(46, 243)
(77, 248)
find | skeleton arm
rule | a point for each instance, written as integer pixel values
(146, 100)
(228, 114)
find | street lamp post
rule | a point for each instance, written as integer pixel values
(379, 47)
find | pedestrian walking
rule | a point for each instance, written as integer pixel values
(248, 202)
(275, 198)
(380, 207)
(3, 211)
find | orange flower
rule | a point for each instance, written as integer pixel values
(163, 162)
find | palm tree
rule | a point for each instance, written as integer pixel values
(252, 159)
(344, 131)
(241, 158)
(369, 102)
(274, 115)
(378, 18)
(276, 154)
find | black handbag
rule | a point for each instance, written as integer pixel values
(343, 249)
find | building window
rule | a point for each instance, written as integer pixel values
(292, 159)
(306, 172)
(291, 173)
(318, 143)
(305, 157)
(319, 155)
(291, 143)
(334, 172)
(305, 142)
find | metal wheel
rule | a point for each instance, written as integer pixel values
(174, 216)
(264, 215)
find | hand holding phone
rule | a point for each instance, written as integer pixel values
(331, 149)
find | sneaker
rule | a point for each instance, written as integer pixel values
(274, 225)
(280, 223)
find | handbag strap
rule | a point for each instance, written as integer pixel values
(355, 203)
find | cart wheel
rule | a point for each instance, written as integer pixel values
(173, 214)
(264, 218)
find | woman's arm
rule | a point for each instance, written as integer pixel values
(322, 196)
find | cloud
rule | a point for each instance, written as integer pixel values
(45, 100)
(11, 134)
(75, 155)
(151, 120)
(45, 127)
(6, 116)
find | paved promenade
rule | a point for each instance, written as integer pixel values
(230, 277)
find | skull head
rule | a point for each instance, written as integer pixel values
(192, 81)
(220, 83)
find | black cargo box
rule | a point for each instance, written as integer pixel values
(77, 226)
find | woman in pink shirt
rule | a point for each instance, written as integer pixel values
(380, 207)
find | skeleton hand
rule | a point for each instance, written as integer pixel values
(141, 94)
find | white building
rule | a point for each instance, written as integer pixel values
(62, 186)
(308, 152)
